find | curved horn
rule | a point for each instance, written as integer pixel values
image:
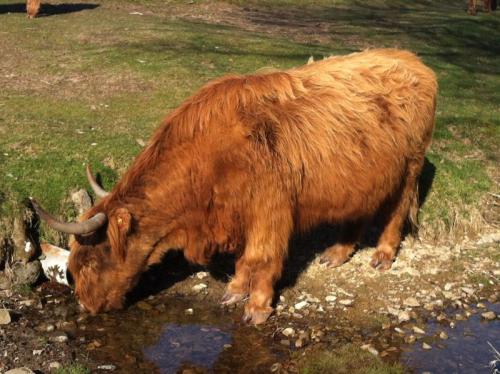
(77, 228)
(98, 190)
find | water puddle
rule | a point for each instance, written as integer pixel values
(162, 338)
(465, 351)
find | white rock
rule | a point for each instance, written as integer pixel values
(107, 367)
(60, 338)
(443, 335)
(468, 290)
(346, 302)
(288, 332)
(23, 370)
(489, 315)
(4, 317)
(301, 305)
(369, 348)
(201, 274)
(426, 346)
(448, 286)
(37, 352)
(398, 330)
(411, 301)
(54, 365)
(418, 330)
(330, 298)
(189, 311)
(199, 287)
(403, 316)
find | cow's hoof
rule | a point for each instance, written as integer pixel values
(381, 261)
(232, 298)
(256, 316)
(332, 261)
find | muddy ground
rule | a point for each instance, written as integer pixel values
(317, 308)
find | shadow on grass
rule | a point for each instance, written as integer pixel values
(48, 9)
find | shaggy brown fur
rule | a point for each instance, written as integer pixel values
(472, 6)
(248, 160)
(32, 8)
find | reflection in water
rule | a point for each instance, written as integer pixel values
(196, 345)
(465, 351)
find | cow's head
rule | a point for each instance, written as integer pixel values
(97, 262)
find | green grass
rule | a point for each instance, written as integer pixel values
(82, 87)
(72, 369)
(348, 360)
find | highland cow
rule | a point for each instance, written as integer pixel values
(249, 160)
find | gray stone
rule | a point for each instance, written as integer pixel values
(288, 332)
(26, 273)
(403, 316)
(54, 365)
(82, 201)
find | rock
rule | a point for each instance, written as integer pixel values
(410, 339)
(5, 283)
(346, 302)
(469, 291)
(285, 342)
(481, 305)
(200, 287)
(50, 328)
(189, 311)
(403, 316)
(411, 301)
(144, 305)
(426, 346)
(369, 348)
(4, 317)
(448, 286)
(106, 367)
(61, 338)
(331, 298)
(23, 370)
(443, 335)
(288, 332)
(26, 273)
(398, 330)
(489, 238)
(201, 274)
(418, 330)
(81, 200)
(275, 367)
(301, 305)
(54, 365)
(490, 316)
(37, 352)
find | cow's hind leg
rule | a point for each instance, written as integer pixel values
(238, 287)
(397, 213)
(339, 253)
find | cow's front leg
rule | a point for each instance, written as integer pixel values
(238, 287)
(263, 277)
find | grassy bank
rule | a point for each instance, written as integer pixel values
(89, 84)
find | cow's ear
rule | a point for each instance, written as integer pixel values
(118, 228)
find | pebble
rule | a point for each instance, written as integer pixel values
(418, 330)
(426, 346)
(189, 311)
(443, 335)
(288, 332)
(54, 365)
(37, 352)
(481, 305)
(301, 305)
(468, 291)
(107, 367)
(448, 286)
(490, 316)
(403, 316)
(4, 317)
(50, 328)
(410, 339)
(411, 301)
(330, 298)
(299, 343)
(200, 287)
